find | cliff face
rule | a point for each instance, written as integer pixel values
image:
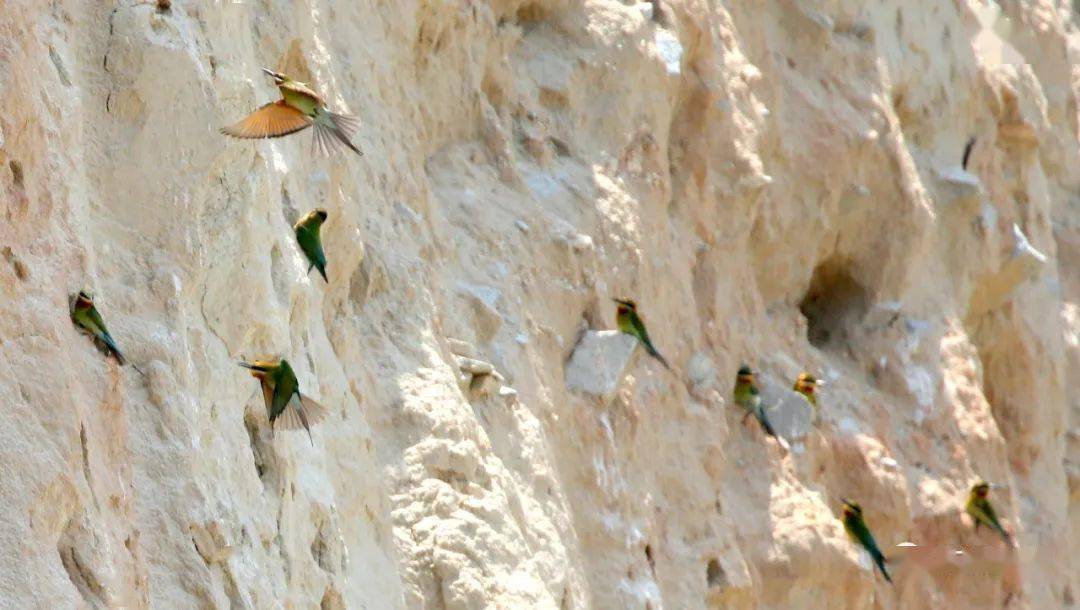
(776, 182)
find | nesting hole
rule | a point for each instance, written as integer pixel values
(834, 303)
(16, 173)
(714, 574)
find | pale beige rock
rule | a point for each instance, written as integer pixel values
(775, 183)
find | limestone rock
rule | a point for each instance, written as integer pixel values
(599, 363)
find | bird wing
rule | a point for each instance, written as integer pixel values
(267, 392)
(310, 244)
(987, 514)
(280, 401)
(272, 120)
(95, 318)
(312, 411)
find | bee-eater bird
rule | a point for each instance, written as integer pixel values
(307, 235)
(281, 393)
(856, 527)
(299, 108)
(748, 397)
(85, 315)
(629, 322)
(982, 511)
(806, 384)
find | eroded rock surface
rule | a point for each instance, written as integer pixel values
(776, 183)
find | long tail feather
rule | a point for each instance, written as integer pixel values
(765, 422)
(107, 339)
(656, 354)
(879, 559)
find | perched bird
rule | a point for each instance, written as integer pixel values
(85, 315)
(748, 397)
(626, 316)
(860, 533)
(281, 393)
(307, 235)
(806, 384)
(299, 108)
(982, 511)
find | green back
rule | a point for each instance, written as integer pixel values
(311, 244)
(285, 386)
(298, 96)
(90, 319)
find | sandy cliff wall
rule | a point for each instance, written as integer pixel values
(776, 182)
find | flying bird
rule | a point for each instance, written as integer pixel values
(85, 315)
(857, 529)
(629, 322)
(281, 393)
(307, 235)
(982, 511)
(299, 108)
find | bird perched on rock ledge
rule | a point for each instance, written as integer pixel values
(748, 397)
(807, 385)
(982, 511)
(85, 315)
(629, 322)
(307, 236)
(299, 108)
(857, 529)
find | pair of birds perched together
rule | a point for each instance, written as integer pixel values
(300, 107)
(978, 507)
(748, 396)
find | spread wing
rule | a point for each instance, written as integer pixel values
(272, 120)
(267, 392)
(313, 413)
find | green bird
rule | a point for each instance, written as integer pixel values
(629, 322)
(748, 397)
(299, 108)
(856, 527)
(281, 393)
(982, 511)
(85, 315)
(307, 235)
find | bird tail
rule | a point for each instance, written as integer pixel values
(302, 412)
(656, 354)
(334, 130)
(764, 419)
(110, 345)
(879, 559)
(322, 270)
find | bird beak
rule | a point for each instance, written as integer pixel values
(820, 382)
(270, 73)
(248, 365)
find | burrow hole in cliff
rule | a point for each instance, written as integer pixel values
(834, 302)
(714, 574)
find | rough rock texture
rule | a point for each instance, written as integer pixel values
(776, 182)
